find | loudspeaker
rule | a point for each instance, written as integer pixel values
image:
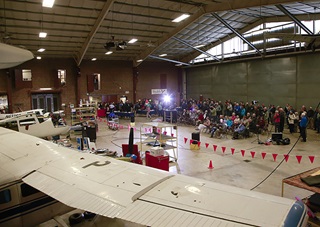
(195, 136)
(276, 136)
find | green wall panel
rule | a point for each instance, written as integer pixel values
(278, 81)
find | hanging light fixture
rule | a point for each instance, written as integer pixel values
(48, 3)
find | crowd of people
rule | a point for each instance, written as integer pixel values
(241, 119)
(238, 119)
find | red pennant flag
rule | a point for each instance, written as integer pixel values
(207, 145)
(252, 153)
(311, 158)
(185, 140)
(172, 134)
(159, 130)
(145, 129)
(263, 154)
(242, 152)
(165, 133)
(274, 157)
(286, 157)
(299, 157)
(232, 151)
(223, 149)
(199, 143)
(191, 141)
(215, 147)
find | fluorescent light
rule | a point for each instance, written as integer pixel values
(42, 34)
(133, 40)
(181, 18)
(38, 57)
(140, 60)
(41, 50)
(109, 52)
(47, 3)
(198, 46)
(93, 59)
(162, 55)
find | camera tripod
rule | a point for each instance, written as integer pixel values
(257, 139)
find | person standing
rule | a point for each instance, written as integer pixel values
(276, 120)
(303, 127)
(148, 108)
(291, 118)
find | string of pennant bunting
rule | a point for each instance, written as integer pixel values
(224, 149)
(254, 154)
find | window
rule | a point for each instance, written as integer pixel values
(5, 196)
(96, 81)
(27, 190)
(13, 125)
(26, 75)
(62, 76)
(30, 121)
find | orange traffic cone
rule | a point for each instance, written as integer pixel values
(210, 165)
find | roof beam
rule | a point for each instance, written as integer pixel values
(298, 22)
(195, 54)
(168, 36)
(201, 51)
(210, 8)
(96, 26)
(169, 60)
(235, 32)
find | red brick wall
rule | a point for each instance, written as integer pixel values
(149, 78)
(116, 79)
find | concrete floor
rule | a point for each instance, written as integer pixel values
(236, 170)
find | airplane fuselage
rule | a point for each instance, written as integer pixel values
(23, 205)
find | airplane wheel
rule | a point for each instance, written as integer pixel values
(88, 215)
(75, 218)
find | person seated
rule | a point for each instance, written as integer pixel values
(221, 130)
(238, 131)
(229, 123)
(200, 117)
(205, 126)
(214, 127)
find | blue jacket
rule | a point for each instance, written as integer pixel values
(304, 122)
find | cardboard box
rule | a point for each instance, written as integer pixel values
(157, 151)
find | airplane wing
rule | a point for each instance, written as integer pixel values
(11, 56)
(137, 193)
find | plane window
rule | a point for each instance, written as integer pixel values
(5, 196)
(11, 125)
(25, 122)
(27, 190)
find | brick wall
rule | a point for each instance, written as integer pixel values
(116, 79)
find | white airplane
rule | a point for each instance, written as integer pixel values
(123, 190)
(35, 125)
(38, 112)
(11, 56)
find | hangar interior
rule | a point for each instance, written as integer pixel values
(166, 55)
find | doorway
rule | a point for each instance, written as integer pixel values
(48, 102)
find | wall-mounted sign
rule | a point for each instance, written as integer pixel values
(158, 91)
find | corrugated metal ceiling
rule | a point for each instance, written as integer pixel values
(80, 28)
